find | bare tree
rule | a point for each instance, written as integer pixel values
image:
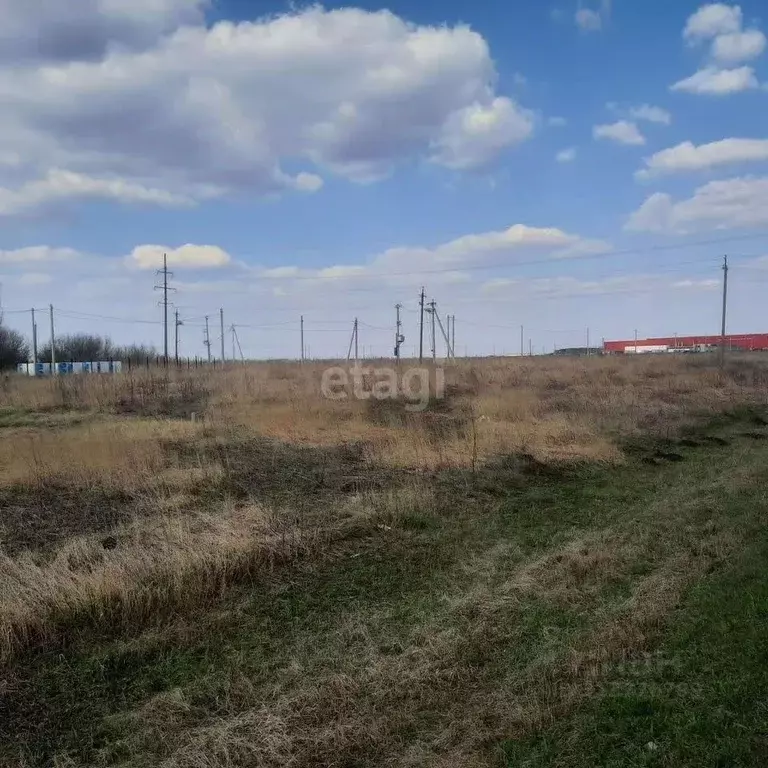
(89, 348)
(14, 348)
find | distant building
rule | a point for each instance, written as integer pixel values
(751, 342)
(578, 351)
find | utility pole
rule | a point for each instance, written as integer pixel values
(399, 338)
(234, 333)
(431, 311)
(176, 338)
(302, 338)
(53, 345)
(530, 348)
(522, 342)
(446, 336)
(589, 351)
(164, 288)
(234, 355)
(34, 340)
(353, 341)
(421, 326)
(725, 309)
(207, 339)
(221, 319)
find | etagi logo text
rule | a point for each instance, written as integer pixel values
(416, 386)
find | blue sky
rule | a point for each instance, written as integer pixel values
(557, 165)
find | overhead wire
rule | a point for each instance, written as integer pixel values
(591, 286)
(658, 248)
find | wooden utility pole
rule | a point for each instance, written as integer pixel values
(207, 340)
(221, 323)
(353, 342)
(34, 341)
(421, 326)
(725, 310)
(432, 311)
(399, 338)
(177, 323)
(53, 346)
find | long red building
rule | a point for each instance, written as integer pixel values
(747, 341)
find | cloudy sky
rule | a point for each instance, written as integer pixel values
(561, 166)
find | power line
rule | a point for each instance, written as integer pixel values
(659, 248)
(77, 315)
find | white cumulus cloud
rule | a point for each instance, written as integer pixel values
(36, 254)
(712, 20)
(690, 157)
(86, 29)
(475, 135)
(712, 81)
(721, 26)
(198, 111)
(60, 186)
(727, 204)
(650, 114)
(445, 261)
(187, 256)
(739, 46)
(622, 132)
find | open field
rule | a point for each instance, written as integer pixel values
(560, 563)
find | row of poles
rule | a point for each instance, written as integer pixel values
(449, 336)
(166, 275)
(425, 308)
(34, 338)
(448, 332)
(235, 340)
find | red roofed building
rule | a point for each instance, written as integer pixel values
(747, 342)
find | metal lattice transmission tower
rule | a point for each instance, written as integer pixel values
(165, 288)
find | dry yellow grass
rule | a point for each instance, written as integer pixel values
(553, 409)
(120, 453)
(207, 522)
(157, 565)
(170, 560)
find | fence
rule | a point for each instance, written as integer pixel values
(64, 369)
(114, 366)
